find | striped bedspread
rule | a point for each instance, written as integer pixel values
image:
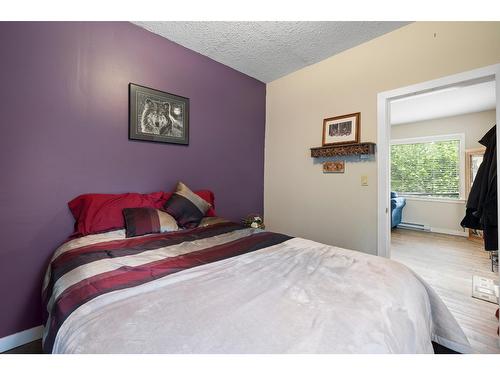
(224, 288)
(78, 274)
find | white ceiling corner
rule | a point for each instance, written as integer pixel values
(269, 50)
(452, 101)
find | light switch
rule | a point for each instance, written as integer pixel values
(364, 180)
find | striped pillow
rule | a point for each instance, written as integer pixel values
(186, 207)
(146, 220)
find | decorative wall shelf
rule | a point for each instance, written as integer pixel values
(366, 148)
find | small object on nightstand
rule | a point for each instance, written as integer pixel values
(253, 221)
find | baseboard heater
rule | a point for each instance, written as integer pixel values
(415, 226)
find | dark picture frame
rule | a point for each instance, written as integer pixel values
(342, 130)
(157, 116)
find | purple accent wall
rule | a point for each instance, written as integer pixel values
(64, 132)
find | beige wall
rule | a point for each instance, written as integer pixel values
(473, 125)
(333, 208)
(443, 216)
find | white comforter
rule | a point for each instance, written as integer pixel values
(299, 296)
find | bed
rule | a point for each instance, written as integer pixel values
(225, 288)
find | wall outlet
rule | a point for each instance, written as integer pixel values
(364, 180)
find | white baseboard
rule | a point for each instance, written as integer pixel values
(415, 226)
(453, 232)
(427, 228)
(20, 338)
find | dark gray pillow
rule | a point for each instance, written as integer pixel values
(186, 207)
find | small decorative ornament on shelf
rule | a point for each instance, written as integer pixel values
(253, 221)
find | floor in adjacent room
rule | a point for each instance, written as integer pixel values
(448, 263)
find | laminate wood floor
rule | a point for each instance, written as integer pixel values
(448, 263)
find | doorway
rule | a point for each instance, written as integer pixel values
(384, 132)
(441, 252)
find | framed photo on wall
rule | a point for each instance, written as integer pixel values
(341, 129)
(157, 116)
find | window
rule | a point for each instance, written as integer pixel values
(428, 167)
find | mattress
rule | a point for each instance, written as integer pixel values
(224, 288)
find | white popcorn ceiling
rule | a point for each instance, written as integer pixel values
(269, 50)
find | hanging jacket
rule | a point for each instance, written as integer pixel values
(481, 211)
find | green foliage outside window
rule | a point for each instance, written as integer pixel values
(429, 169)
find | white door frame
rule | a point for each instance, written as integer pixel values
(384, 135)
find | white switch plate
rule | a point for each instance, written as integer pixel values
(364, 180)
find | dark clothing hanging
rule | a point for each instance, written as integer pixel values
(481, 212)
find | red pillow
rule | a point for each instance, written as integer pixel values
(96, 213)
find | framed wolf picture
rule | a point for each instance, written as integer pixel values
(157, 116)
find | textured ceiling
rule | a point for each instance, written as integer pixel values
(269, 50)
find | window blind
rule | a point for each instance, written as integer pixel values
(427, 169)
